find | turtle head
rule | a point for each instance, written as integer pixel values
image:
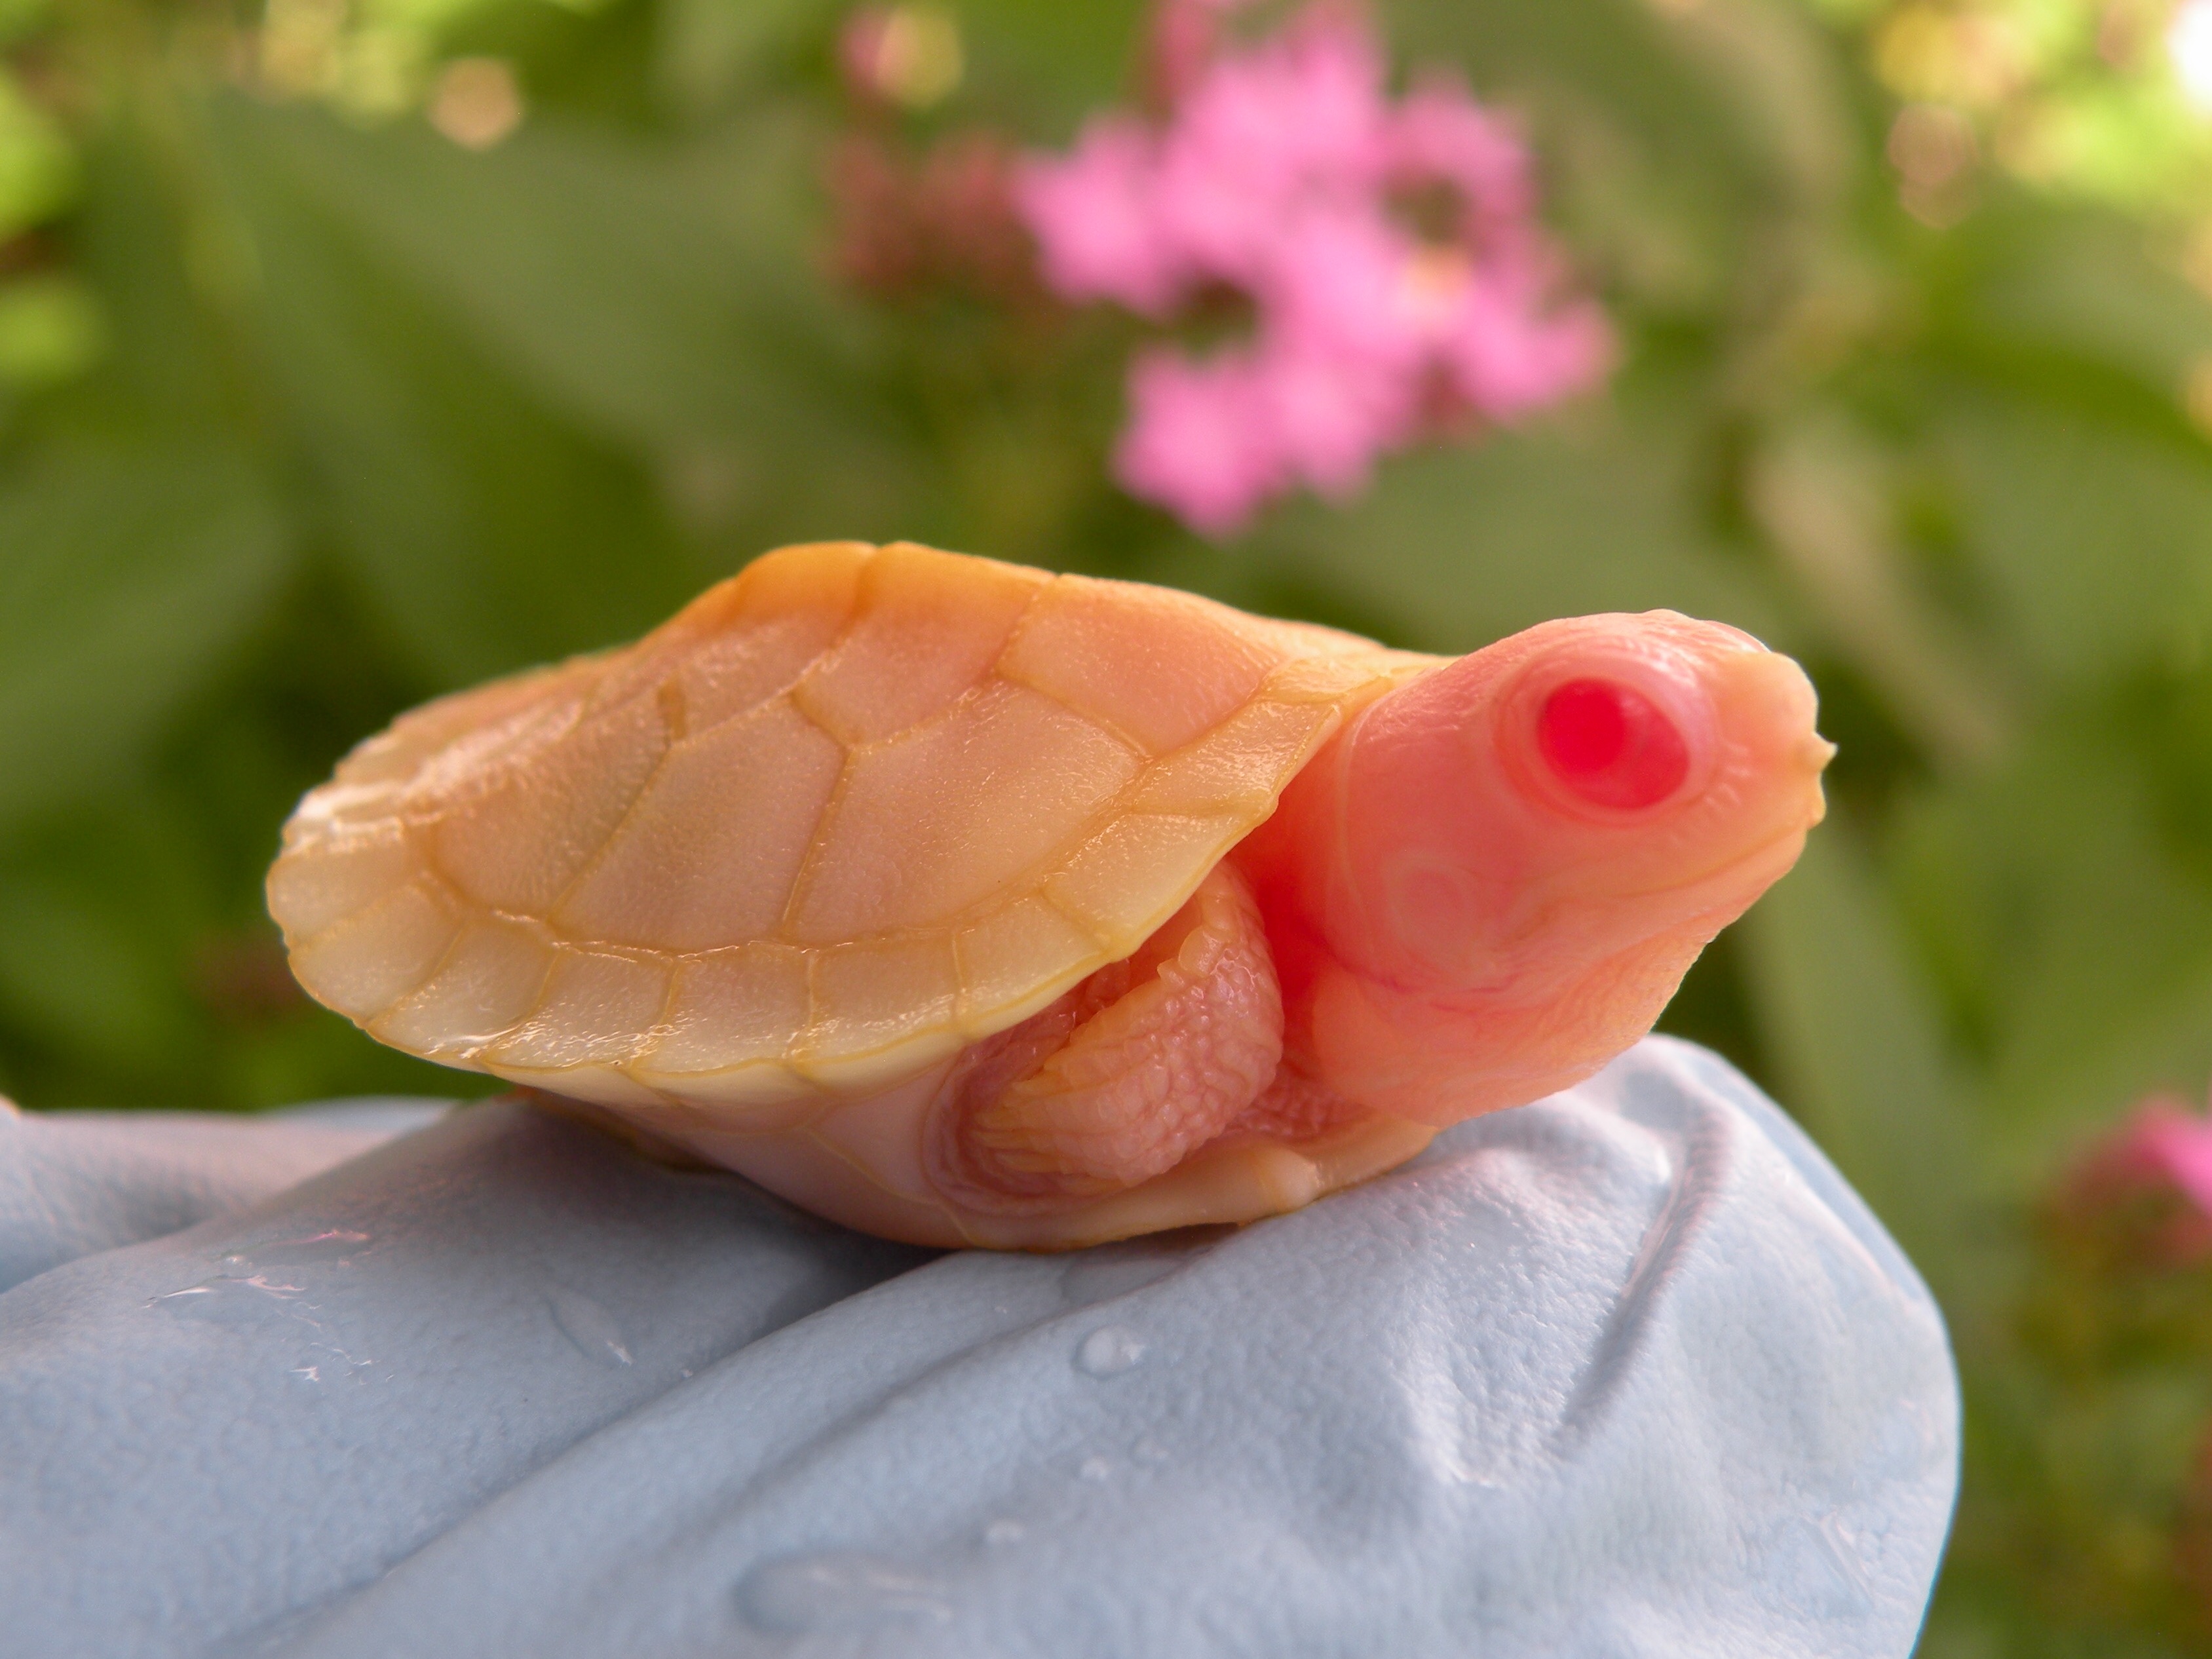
(1521, 851)
(1578, 789)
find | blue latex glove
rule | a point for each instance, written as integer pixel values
(1627, 1373)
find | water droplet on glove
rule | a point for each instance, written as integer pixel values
(1108, 1351)
(836, 1589)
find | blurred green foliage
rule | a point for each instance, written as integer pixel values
(311, 407)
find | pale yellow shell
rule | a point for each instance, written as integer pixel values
(847, 812)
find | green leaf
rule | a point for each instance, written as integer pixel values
(128, 576)
(641, 302)
(1850, 1027)
(147, 251)
(486, 531)
(133, 970)
(1458, 546)
(2080, 282)
(2093, 538)
(1653, 75)
(18, 17)
(705, 50)
(1782, 78)
(51, 331)
(1043, 69)
(2077, 944)
(88, 953)
(1821, 490)
(38, 168)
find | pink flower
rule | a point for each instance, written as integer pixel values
(861, 50)
(2164, 1141)
(1336, 284)
(1329, 418)
(1297, 118)
(1185, 33)
(1096, 219)
(1439, 133)
(1284, 172)
(2145, 1190)
(1507, 361)
(1200, 441)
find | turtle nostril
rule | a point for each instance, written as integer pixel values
(1611, 744)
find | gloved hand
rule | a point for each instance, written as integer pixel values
(1629, 1371)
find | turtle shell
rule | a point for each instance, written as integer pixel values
(847, 812)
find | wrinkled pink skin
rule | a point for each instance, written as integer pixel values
(1475, 895)
(1466, 901)
(1459, 927)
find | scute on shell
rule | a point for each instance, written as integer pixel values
(847, 812)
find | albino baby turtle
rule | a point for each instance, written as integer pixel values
(969, 904)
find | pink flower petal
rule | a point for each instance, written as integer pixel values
(1329, 418)
(1198, 442)
(1184, 36)
(1439, 132)
(1278, 174)
(2175, 1144)
(1507, 360)
(1094, 214)
(1334, 284)
(1300, 115)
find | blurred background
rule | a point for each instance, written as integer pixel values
(354, 350)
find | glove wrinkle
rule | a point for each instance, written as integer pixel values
(76, 1183)
(1629, 1371)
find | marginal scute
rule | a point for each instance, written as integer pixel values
(310, 891)
(597, 1007)
(928, 628)
(870, 1070)
(707, 855)
(847, 812)
(601, 1085)
(945, 818)
(1332, 678)
(364, 964)
(871, 994)
(1132, 875)
(489, 979)
(731, 1008)
(341, 807)
(998, 958)
(1238, 768)
(1161, 665)
(762, 1097)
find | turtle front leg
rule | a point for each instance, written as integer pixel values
(1123, 1078)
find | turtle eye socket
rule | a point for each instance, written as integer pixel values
(1610, 744)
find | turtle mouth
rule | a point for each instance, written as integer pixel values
(1734, 870)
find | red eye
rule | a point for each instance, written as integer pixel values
(1611, 744)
